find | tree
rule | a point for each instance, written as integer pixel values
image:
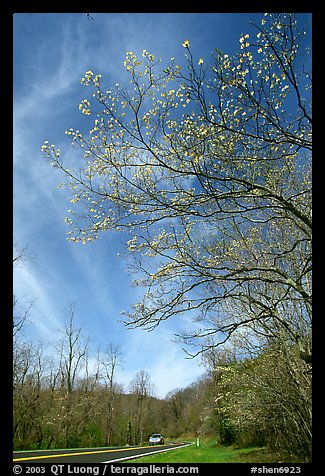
(112, 360)
(267, 401)
(142, 389)
(20, 315)
(208, 170)
(28, 370)
(187, 409)
(72, 354)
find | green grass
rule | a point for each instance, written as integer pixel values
(209, 452)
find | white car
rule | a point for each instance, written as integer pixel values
(156, 439)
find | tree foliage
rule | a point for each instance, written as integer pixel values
(266, 401)
(207, 167)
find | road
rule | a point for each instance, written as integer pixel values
(89, 455)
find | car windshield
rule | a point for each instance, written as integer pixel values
(156, 436)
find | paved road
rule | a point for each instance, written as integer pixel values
(88, 455)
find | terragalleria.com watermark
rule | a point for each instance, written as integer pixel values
(58, 469)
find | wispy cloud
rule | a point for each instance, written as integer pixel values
(43, 317)
(158, 354)
(53, 52)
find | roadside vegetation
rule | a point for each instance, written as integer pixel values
(231, 409)
(209, 452)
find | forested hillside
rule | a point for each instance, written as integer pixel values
(258, 401)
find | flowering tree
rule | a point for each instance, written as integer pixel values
(208, 170)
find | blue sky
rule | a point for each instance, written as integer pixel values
(52, 51)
